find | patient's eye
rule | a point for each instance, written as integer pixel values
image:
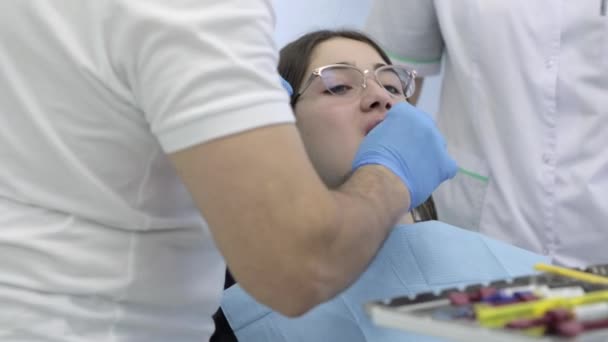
(341, 80)
(340, 89)
(393, 90)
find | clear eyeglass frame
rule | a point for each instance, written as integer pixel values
(407, 78)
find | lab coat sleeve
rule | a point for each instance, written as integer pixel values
(199, 70)
(409, 31)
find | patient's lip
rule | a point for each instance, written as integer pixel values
(371, 126)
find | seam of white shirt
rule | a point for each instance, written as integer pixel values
(118, 314)
(133, 239)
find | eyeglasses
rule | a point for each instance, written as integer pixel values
(348, 81)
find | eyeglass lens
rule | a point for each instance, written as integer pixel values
(348, 81)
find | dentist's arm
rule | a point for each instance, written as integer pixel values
(288, 240)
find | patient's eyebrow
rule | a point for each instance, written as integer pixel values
(376, 66)
(347, 63)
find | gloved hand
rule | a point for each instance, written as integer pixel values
(409, 144)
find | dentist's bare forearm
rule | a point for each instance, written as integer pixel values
(330, 255)
(372, 201)
(288, 240)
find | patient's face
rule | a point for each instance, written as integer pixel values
(331, 126)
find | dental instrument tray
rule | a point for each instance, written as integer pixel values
(559, 304)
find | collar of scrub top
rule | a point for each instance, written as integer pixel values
(287, 86)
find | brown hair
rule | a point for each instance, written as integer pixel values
(294, 62)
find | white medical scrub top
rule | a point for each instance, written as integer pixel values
(524, 108)
(99, 239)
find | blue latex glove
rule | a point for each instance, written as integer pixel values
(409, 144)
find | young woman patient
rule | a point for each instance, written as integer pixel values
(343, 85)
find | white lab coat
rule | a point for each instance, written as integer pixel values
(524, 108)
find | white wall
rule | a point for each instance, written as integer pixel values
(295, 18)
